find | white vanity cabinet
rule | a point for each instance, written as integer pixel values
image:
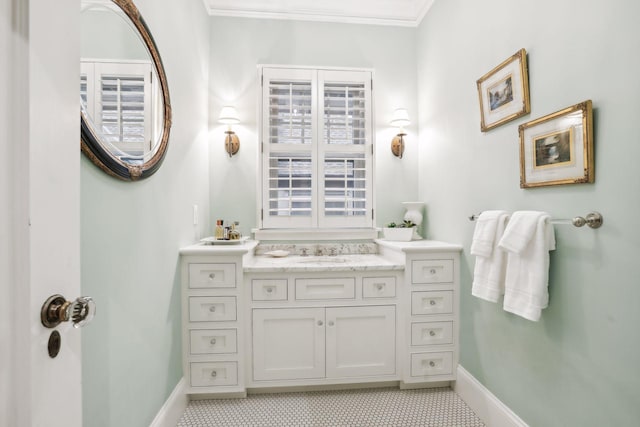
(252, 322)
(212, 318)
(431, 297)
(329, 327)
(317, 342)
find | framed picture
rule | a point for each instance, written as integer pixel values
(504, 92)
(558, 148)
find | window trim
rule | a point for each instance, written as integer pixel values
(315, 228)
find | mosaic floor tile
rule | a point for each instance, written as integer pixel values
(437, 407)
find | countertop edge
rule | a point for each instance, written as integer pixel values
(421, 246)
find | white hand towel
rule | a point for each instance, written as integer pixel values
(488, 273)
(528, 238)
(484, 235)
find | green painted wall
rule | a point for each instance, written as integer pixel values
(578, 366)
(239, 45)
(131, 233)
(122, 41)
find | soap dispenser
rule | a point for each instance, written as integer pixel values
(219, 234)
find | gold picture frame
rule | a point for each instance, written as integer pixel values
(558, 148)
(504, 92)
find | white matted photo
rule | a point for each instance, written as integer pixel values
(558, 148)
(504, 92)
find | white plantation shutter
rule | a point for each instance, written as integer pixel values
(119, 100)
(316, 155)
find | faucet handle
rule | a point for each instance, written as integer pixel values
(303, 251)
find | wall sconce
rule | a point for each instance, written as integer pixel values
(229, 117)
(400, 119)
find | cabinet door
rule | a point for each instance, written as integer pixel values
(361, 341)
(288, 343)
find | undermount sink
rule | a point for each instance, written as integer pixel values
(321, 259)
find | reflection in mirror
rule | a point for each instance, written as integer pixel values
(124, 100)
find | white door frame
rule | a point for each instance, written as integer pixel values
(40, 213)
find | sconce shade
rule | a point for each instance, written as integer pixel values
(228, 116)
(400, 118)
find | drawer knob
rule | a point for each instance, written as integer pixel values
(432, 333)
(432, 302)
(215, 374)
(320, 323)
(212, 308)
(212, 276)
(432, 271)
(432, 363)
(269, 290)
(379, 286)
(213, 341)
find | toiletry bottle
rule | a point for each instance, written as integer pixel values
(219, 230)
(234, 234)
(225, 233)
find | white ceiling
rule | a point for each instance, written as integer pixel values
(382, 12)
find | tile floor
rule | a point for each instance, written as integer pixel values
(436, 407)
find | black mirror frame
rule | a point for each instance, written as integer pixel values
(90, 143)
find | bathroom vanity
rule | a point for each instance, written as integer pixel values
(254, 322)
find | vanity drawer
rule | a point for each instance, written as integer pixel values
(269, 289)
(213, 341)
(378, 287)
(212, 276)
(427, 333)
(212, 309)
(432, 271)
(431, 364)
(432, 302)
(206, 374)
(330, 288)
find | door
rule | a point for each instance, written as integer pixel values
(39, 214)
(288, 343)
(361, 341)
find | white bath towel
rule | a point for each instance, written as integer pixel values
(528, 238)
(489, 270)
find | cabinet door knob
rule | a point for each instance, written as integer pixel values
(331, 323)
(320, 323)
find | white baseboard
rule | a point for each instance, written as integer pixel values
(172, 410)
(487, 407)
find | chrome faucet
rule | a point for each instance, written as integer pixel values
(303, 252)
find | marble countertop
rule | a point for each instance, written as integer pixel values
(219, 249)
(366, 262)
(419, 245)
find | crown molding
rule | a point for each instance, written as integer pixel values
(377, 12)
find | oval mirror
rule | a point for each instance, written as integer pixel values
(124, 97)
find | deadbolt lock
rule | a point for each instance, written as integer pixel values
(56, 309)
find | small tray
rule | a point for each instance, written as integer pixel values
(214, 241)
(277, 253)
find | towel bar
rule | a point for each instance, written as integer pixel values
(593, 220)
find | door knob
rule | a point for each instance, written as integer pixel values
(57, 309)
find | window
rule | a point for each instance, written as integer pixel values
(316, 149)
(114, 95)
